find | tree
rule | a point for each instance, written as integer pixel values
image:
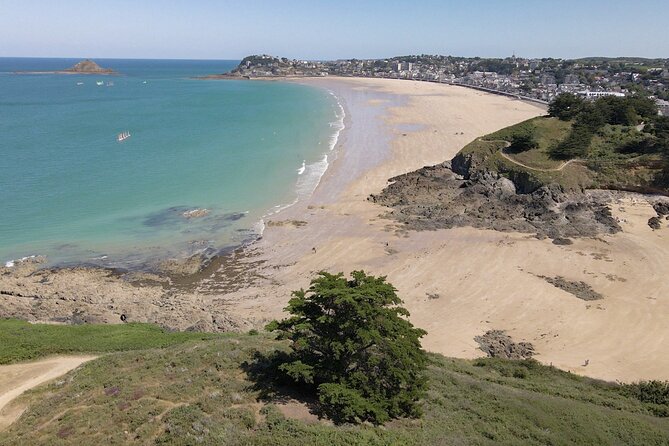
(575, 145)
(354, 348)
(590, 117)
(565, 107)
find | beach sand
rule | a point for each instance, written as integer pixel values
(459, 283)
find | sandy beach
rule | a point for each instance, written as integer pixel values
(457, 283)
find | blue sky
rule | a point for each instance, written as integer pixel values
(315, 29)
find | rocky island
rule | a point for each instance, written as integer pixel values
(86, 66)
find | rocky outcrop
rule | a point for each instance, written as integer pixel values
(94, 295)
(497, 344)
(195, 213)
(459, 193)
(579, 289)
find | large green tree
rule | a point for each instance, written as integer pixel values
(565, 106)
(354, 348)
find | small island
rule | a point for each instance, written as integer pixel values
(86, 66)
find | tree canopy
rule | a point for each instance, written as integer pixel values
(354, 348)
(566, 106)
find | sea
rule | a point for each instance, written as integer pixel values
(238, 151)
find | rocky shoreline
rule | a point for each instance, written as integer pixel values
(178, 298)
(453, 194)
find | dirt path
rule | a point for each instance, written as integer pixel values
(507, 144)
(17, 378)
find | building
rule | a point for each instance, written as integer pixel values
(662, 107)
(599, 94)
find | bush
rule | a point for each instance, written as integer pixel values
(523, 142)
(353, 347)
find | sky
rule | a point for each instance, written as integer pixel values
(320, 30)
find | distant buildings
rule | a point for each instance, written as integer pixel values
(662, 107)
(538, 79)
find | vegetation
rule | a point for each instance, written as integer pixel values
(566, 106)
(200, 394)
(611, 143)
(21, 341)
(522, 142)
(353, 347)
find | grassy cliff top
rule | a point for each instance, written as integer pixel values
(614, 158)
(201, 393)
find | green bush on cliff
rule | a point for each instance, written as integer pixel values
(354, 348)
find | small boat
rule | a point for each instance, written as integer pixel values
(80, 83)
(110, 84)
(122, 136)
(99, 83)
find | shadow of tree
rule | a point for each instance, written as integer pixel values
(273, 386)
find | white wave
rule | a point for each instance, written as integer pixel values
(12, 263)
(310, 175)
(259, 227)
(307, 183)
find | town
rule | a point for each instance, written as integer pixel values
(538, 80)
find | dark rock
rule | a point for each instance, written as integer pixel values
(655, 223)
(497, 344)
(438, 197)
(662, 208)
(562, 241)
(579, 289)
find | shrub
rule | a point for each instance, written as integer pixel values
(523, 142)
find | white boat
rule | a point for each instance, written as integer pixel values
(80, 83)
(99, 83)
(122, 136)
(110, 84)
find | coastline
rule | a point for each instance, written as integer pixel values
(483, 279)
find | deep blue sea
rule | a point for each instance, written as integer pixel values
(69, 190)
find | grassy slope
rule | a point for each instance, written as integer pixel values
(198, 393)
(21, 341)
(605, 167)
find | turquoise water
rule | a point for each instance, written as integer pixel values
(71, 191)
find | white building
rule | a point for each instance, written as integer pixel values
(599, 94)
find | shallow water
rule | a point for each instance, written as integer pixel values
(71, 191)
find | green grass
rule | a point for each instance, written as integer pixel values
(548, 132)
(21, 341)
(608, 164)
(199, 394)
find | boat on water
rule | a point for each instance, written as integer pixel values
(110, 84)
(80, 83)
(99, 83)
(122, 136)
